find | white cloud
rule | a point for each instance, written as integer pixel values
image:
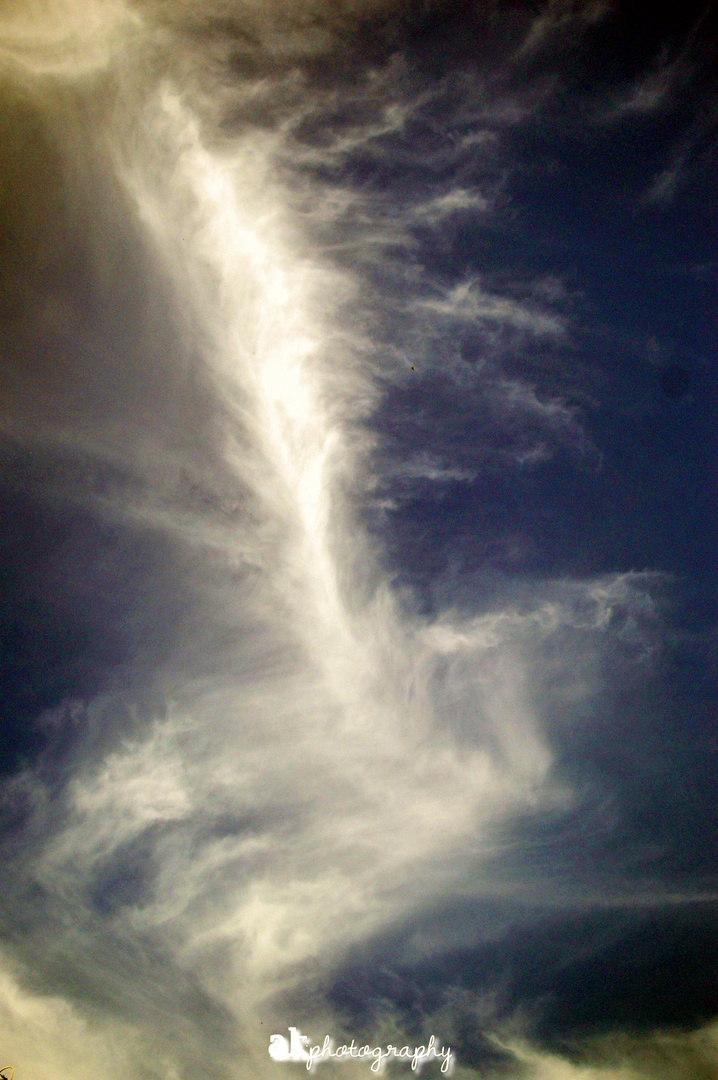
(457, 201)
(314, 778)
(59, 38)
(658, 1055)
(468, 302)
(43, 1035)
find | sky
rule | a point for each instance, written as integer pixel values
(358, 519)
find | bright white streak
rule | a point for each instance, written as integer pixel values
(397, 794)
(268, 343)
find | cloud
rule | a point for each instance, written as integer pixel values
(454, 202)
(227, 291)
(469, 302)
(646, 95)
(562, 17)
(658, 1056)
(48, 1036)
(55, 38)
(424, 467)
(664, 186)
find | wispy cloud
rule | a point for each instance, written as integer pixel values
(560, 17)
(663, 1056)
(467, 301)
(288, 759)
(458, 201)
(652, 91)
